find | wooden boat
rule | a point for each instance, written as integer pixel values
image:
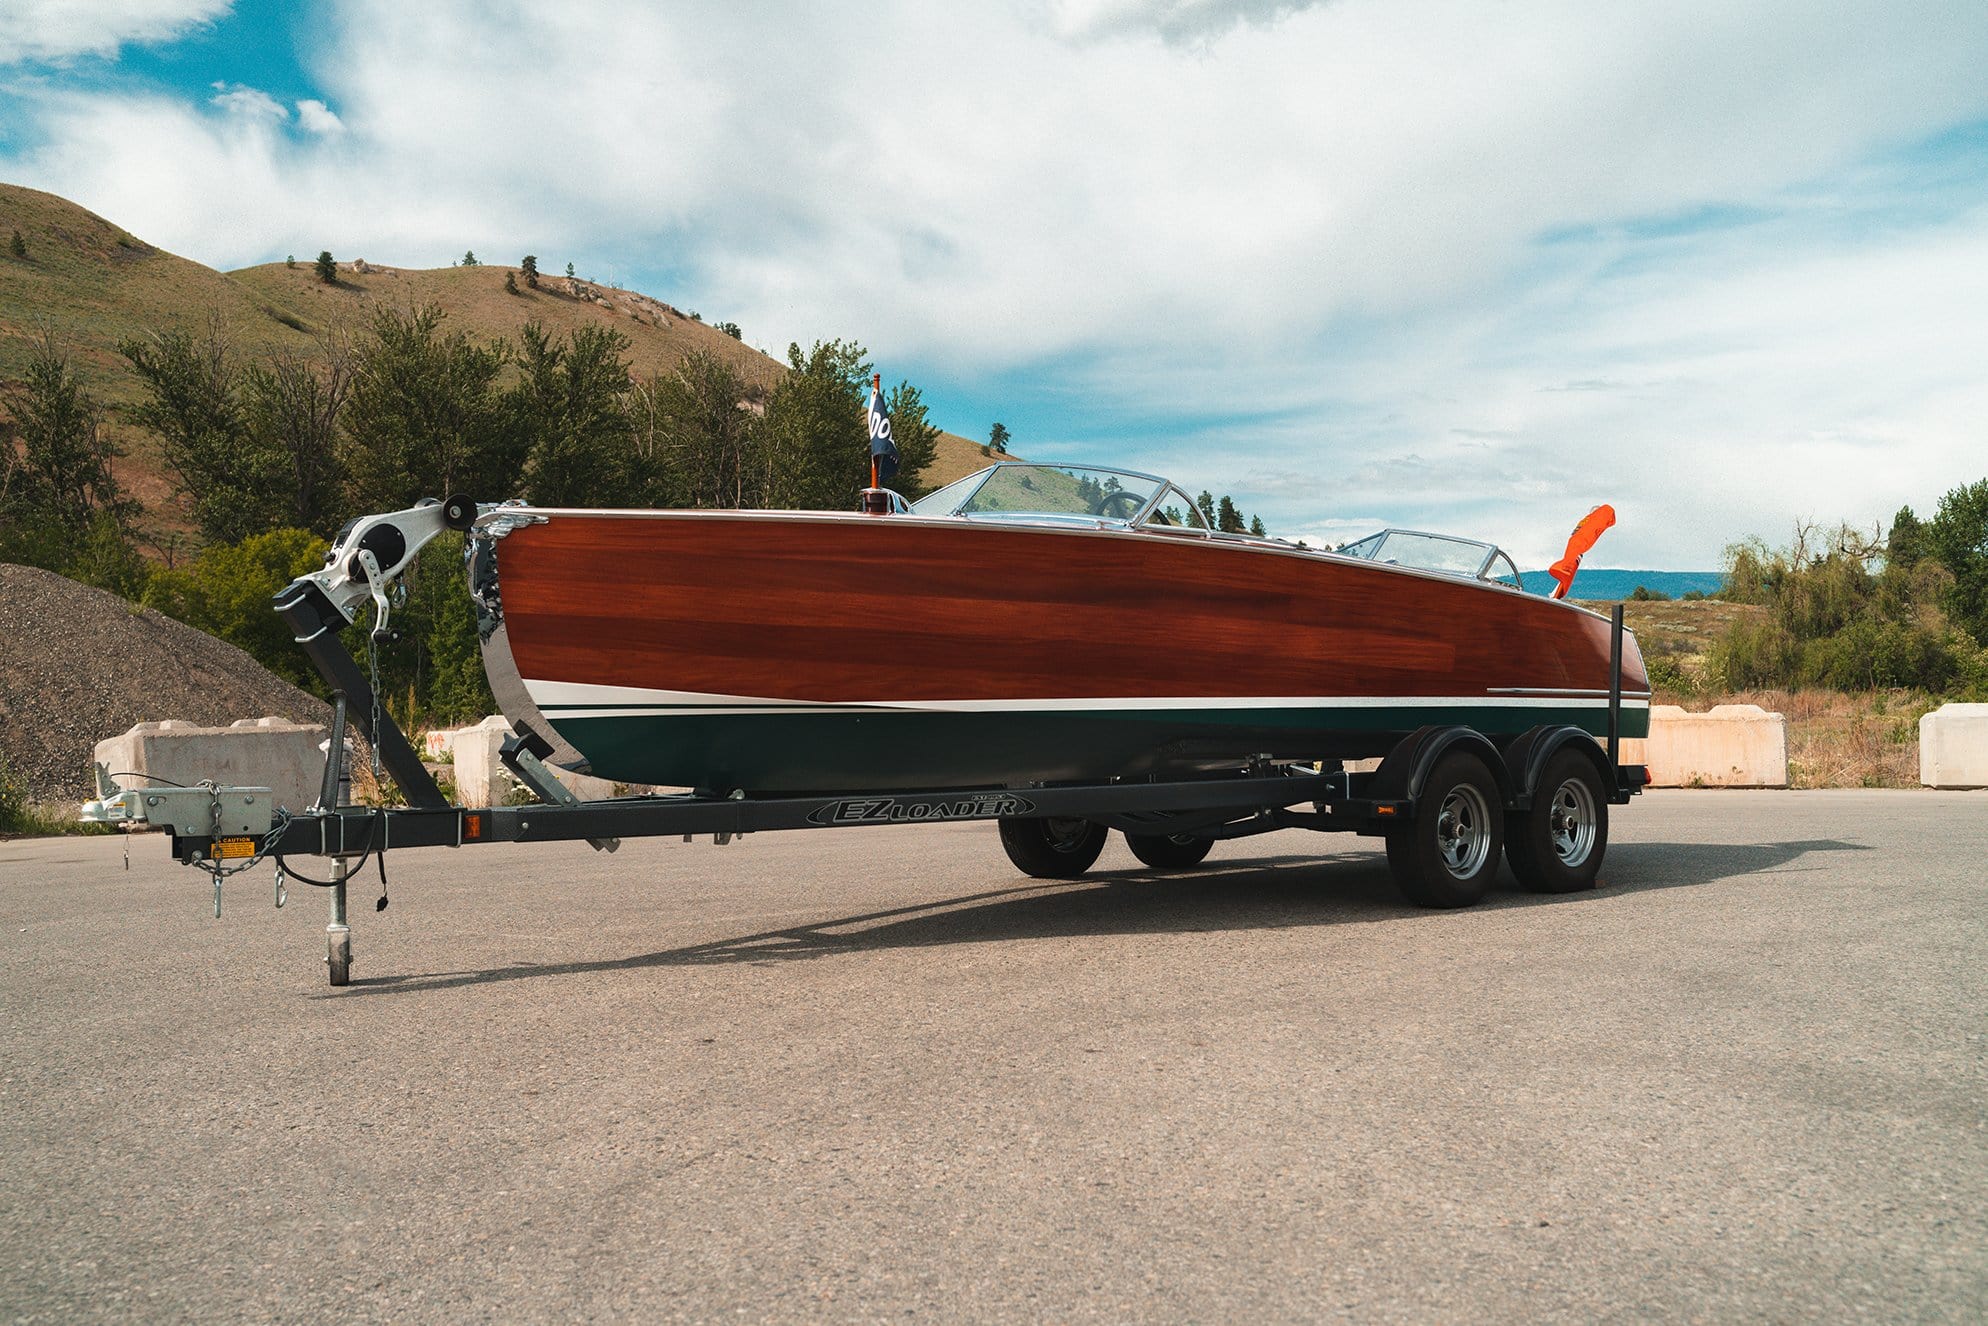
(1029, 624)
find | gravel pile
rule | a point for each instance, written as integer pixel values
(78, 665)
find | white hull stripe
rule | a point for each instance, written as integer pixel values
(576, 700)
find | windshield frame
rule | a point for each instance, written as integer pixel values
(1492, 553)
(964, 490)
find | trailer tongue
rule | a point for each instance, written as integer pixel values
(1445, 798)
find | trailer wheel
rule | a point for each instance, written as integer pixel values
(1052, 847)
(1169, 851)
(1557, 846)
(1446, 855)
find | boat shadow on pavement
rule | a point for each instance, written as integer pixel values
(1264, 893)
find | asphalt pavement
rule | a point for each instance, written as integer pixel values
(875, 1074)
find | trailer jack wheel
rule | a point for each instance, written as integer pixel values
(1447, 855)
(1051, 847)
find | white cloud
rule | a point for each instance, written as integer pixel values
(1172, 19)
(318, 118)
(247, 102)
(1393, 231)
(59, 29)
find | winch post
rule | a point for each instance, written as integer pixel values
(316, 623)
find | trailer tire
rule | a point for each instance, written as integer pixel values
(1447, 854)
(1051, 847)
(1169, 851)
(1557, 846)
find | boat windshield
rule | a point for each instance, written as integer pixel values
(1014, 488)
(1442, 553)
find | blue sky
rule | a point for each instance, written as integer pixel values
(1421, 262)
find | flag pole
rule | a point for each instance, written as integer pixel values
(876, 388)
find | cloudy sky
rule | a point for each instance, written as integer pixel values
(1441, 263)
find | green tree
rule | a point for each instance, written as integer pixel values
(567, 408)
(530, 268)
(916, 438)
(1256, 527)
(469, 258)
(193, 404)
(732, 330)
(1958, 536)
(813, 432)
(424, 418)
(291, 262)
(60, 505)
(569, 271)
(327, 268)
(510, 284)
(291, 406)
(1907, 543)
(1833, 620)
(1206, 503)
(1227, 519)
(997, 439)
(16, 245)
(225, 591)
(697, 431)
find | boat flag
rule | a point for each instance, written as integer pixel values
(883, 451)
(1592, 527)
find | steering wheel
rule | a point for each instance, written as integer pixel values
(1129, 502)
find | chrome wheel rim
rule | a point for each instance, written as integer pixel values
(1463, 831)
(1064, 834)
(1570, 822)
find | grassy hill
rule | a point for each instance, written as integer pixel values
(93, 284)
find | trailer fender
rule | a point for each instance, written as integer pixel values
(1525, 758)
(1406, 769)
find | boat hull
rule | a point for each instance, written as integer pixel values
(783, 652)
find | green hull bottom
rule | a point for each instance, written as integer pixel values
(884, 750)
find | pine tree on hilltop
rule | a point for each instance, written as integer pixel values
(530, 268)
(1227, 518)
(997, 439)
(469, 258)
(327, 268)
(1256, 527)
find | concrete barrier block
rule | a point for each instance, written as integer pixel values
(481, 778)
(1953, 746)
(275, 753)
(1732, 745)
(438, 744)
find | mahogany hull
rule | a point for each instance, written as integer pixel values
(775, 652)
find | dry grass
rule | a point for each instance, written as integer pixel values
(1838, 739)
(1835, 738)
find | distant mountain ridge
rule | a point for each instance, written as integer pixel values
(1605, 583)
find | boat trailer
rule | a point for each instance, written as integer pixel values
(1414, 799)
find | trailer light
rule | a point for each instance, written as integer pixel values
(1383, 810)
(472, 826)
